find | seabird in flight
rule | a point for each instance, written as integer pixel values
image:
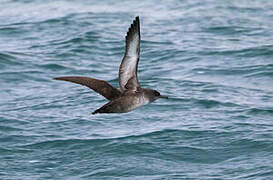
(130, 95)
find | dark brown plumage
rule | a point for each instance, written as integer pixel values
(131, 95)
(99, 86)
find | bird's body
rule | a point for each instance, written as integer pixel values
(130, 95)
(127, 102)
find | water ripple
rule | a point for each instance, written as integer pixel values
(212, 58)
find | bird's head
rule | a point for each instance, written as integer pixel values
(154, 95)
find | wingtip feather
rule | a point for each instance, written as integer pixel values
(60, 78)
(56, 78)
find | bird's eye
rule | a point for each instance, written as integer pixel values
(157, 93)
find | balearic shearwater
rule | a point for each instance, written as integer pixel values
(130, 95)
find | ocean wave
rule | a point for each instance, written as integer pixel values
(260, 111)
(53, 66)
(141, 137)
(255, 51)
(7, 59)
(213, 103)
(169, 144)
(246, 71)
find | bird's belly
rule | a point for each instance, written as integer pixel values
(124, 104)
(137, 102)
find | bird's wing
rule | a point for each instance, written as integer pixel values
(100, 86)
(128, 67)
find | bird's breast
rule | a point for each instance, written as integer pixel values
(132, 102)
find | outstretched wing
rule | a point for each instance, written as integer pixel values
(128, 67)
(100, 86)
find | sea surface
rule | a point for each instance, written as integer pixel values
(214, 59)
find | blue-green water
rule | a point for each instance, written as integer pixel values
(214, 59)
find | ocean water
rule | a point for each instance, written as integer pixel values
(214, 59)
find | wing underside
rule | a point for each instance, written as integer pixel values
(128, 67)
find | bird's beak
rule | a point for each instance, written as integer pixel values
(165, 97)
